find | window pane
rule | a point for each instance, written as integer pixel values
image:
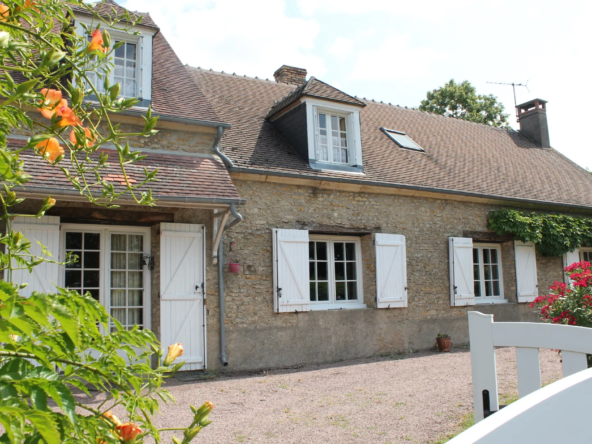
(130, 69)
(77, 263)
(118, 298)
(312, 271)
(91, 278)
(321, 251)
(93, 293)
(486, 257)
(135, 316)
(495, 271)
(340, 291)
(488, 290)
(322, 120)
(135, 298)
(134, 261)
(73, 279)
(120, 52)
(135, 279)
(136, 242)
(339, 271)
(350, 251)
(338, 250)
(118, 261)
(496, 288)
(313, 291)
(92, 259)
(322, 273)
(118, 279)
(342, 124)
(477, 288)
(352, 291)
(92, 241)
(334, 124)
(487, 271)
(119, 70)
(351, 271)
(323, 291)
(118, 242)
(493, 256)
(130, 52)
(311, 251)
(119, 314)
(476, 272)
(130, 88)
(73, 241)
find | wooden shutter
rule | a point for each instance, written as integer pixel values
(182, 291)
(569, 258)
(526, 272)
(291, 278)
(462, 287)
(45, 276)
(391, 271)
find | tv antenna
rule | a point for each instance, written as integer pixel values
(514, 85)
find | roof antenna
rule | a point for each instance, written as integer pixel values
(514, 85)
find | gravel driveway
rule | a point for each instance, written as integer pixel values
(417, 397)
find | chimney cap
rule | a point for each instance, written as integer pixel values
(531, 102)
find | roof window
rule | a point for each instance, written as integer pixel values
(402, 139)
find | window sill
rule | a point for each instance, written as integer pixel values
(490, 302)
(342, 306)
(316, 165)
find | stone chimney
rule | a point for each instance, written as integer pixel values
(532, 116)
(290, 75)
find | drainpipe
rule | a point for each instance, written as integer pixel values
(227, 162)
(237, 218)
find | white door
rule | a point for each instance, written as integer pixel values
(182, 290)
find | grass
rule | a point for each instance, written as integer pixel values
(468, 420)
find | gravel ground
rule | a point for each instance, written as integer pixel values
(417, 397)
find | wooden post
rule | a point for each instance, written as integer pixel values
(482, 362)
(529, 370)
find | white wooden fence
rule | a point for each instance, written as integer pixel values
(574, 342)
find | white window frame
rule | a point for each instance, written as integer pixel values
(143, 40)
(332, 304)
(352, 125)
(105, 276)
(489, 299)
(585, 250)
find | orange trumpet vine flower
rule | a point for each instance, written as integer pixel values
(90, 141)
(96, 43)
(114, 419)
(53, 103)
(69, 118)
(50, 149)
(128, 432)
(4, 12)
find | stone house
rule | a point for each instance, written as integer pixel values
(360, 228)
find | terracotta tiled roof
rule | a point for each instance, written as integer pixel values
(110, 8)
(314, 88)
(178, 176)
(460, 156)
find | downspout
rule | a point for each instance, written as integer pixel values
(237, 218)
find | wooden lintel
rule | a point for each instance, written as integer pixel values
(488, 236)
(336, 229)
(73, 214)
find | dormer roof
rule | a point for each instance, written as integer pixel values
(314, 88)
(110, 8)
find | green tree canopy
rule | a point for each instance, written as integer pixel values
(463, 102)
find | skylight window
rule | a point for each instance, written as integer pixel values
(402, 139)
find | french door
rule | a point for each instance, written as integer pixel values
(112, 268)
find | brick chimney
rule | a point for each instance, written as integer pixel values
(532, 116)
(290, 75)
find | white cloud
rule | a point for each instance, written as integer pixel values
(341, 47)
(253, 38)
(394, 59)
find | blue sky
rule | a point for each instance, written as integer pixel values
(395, 51)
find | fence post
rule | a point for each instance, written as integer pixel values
(482, 362)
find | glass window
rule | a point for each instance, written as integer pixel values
(84, 275)
(333, 141)
(487, 274)
(334, 270)
(402, 139)
(586, 255)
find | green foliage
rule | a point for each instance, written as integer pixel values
(553, 234)
(53, 347)
(462, 102)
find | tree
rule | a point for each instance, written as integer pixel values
(50, 344)
(463, 102)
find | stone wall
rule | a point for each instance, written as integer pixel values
(259, 338)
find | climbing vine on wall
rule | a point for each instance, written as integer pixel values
(553, 234)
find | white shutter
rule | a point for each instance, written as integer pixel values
(569, 258)
(391, 271)
(462, 288)
(182, 314)
(291, 278)
(44, 276)
(526, 272)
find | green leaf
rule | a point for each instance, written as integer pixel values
(63, 398)
(45, 425)
(25, 87)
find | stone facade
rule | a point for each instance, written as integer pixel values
(259, 338)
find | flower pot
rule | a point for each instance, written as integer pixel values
(233, 268)
(444, 344)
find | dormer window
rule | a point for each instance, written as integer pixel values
(402, 139)
(332, 140)
(132, 63)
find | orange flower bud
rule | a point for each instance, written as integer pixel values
(68, 118)
(209, 406)
(175, 351)
(4, 12)
(128, 432)
(111, 417)
(89, 138)
(50, 149)
(96, 43)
